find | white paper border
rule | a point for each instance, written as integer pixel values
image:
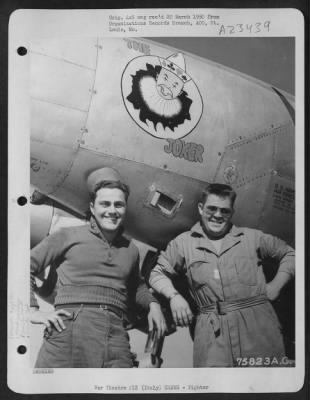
(25, 25)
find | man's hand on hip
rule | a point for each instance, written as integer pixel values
(49, 319)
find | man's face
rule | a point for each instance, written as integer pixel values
(215, 215)
(109, 209)
(169, 86)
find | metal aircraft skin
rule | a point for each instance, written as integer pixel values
(241, 132)
(169, 122)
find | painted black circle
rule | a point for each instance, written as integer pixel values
(22, 51)
(21, 349)
(22, 200)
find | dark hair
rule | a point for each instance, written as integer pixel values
(220, 190)
(109, 185)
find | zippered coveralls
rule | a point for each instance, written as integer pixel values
(247, 326)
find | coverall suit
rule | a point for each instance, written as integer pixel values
(235, 319)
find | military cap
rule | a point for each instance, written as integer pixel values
(100, 175)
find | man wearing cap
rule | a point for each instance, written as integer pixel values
(236, 324)
(98, 278)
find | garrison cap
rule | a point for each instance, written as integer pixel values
(100, 175)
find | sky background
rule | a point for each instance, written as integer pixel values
(268, 59)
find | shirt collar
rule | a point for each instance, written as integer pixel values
(94, 228)
(234, 230)
(230, 239)
(197, 229)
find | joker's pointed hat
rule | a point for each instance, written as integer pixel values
(176, 65)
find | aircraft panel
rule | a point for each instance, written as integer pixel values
(235, 140)
(278, 215)
(69, 50)
(52, 81)
(54, 143)
(243, 100)
(232, 108)
(164, 201)
(285, 151)
(250, 201)
(247, 159)
(247, 165)
(45, 173)
(47, 125)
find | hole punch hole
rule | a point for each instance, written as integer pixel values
(22, 200)
(21, 349)
(22, 51)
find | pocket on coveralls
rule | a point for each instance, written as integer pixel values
(201, 273)
(246, 268)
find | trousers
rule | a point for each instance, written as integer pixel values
(93, 338)
(225, 340)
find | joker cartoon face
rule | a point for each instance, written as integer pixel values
(159, 102)
(164, 99)
(169, 86)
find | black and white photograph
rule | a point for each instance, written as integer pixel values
(162, 182)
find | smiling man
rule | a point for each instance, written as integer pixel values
(235, 322)
(98, 279)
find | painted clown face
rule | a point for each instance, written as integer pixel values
(168, 85)
(152, 105)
